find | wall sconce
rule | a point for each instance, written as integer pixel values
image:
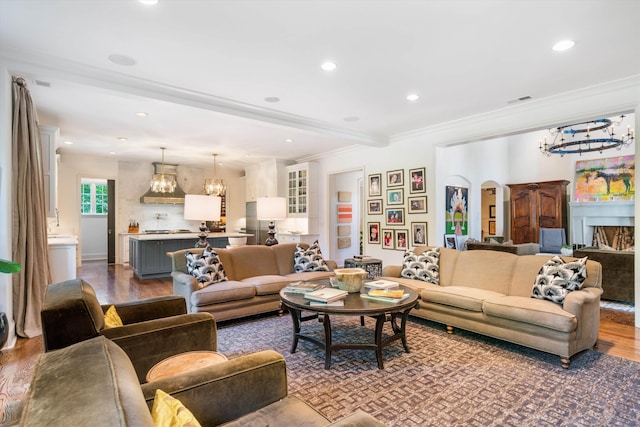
(202, 208)
(271, 209)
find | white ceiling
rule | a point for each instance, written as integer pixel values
(204, 68)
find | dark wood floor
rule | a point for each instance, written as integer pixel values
(116, 283)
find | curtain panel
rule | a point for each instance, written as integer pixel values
(30, 247)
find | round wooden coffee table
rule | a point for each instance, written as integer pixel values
(354, 305)
(184, 362)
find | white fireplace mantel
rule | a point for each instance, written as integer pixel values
(585, 216)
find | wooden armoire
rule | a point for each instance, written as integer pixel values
(537, 205)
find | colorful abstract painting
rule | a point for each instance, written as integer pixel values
(457, 217)
(607, 179)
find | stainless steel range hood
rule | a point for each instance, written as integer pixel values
(175, 198)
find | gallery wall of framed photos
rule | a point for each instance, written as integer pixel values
(396, 208)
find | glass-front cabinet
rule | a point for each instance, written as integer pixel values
(298, 188)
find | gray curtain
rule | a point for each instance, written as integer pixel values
(30, 247)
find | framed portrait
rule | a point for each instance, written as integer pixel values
(417, 180)
(374, 232)
(374, 207)
(375, 187)
(395, 216)
(395, 196)
(402, 239)
(492, 228)
(395, 178)
(450, 241)
(492, 211)
(418, 204)
(419, 233)
(387, 239)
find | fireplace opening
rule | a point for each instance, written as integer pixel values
(616, 238)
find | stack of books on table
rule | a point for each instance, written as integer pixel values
(301, 287)
(326, 296)
(392, 296)
(381, 284)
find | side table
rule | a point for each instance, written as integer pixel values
(184, 362)
(372, 266)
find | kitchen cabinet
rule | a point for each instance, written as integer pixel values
(302, 183)
(296, 238)
(148, 257)
(537, 205)
(48, 139)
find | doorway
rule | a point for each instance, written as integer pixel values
(345, 213)
(97, 219)
(491, 212)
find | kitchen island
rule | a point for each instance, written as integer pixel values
(148, 251)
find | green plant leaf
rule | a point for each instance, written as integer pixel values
(9, 266)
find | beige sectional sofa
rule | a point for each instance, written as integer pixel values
(489, 293)
(255, 273)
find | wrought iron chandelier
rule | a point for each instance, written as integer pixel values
(214, 186)
(586, 143)
(161, 182)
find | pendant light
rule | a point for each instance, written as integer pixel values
(161, 182)
(214, 186)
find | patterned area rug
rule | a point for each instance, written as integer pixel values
(447, 380)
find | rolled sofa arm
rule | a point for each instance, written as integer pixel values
(576, 300)
(184, 285)
(226, 391)
(147, 343)
(392, 271)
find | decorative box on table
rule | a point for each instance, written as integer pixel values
(372, 266)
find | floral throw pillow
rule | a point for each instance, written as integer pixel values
(558, 277)
(309, 259)
(424, 266)
(205, 267)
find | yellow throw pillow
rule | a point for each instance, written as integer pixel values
(168, 411)
(111, 318)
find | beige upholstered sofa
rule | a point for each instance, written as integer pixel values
(256, 275)
(94, 383)
(489, 293)
(518, 249)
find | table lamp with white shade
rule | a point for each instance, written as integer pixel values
(202, 208)
(271, 209)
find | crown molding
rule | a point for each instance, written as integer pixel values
(41, 65)
(609, 98)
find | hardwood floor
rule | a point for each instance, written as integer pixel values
(116, 283)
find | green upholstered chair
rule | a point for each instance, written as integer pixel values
(153, 329)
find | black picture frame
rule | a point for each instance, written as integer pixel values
(394, 216)
(417, 181)
(395, 178)
(417, 204)
(375, 184)
(492, 228)
(395, 196)
(492, 211)
(374, 207)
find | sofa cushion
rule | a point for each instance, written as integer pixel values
(229, 290)
(463, 297)
(529, 310)
(269, 284)
(290, 411)
(424, 266)
(205, 267)
(557, 277)
(167, 411)
(309, 259)
(111, 318)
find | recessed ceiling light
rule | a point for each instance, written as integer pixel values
(112, 152)
(123, 138)
(328, 66)
(272, 99)
(351, 119)
(148, 2)
(119, 59)
(142, 114)
(413, 97)
(68, 142)
(288, 140)
(563, 45)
